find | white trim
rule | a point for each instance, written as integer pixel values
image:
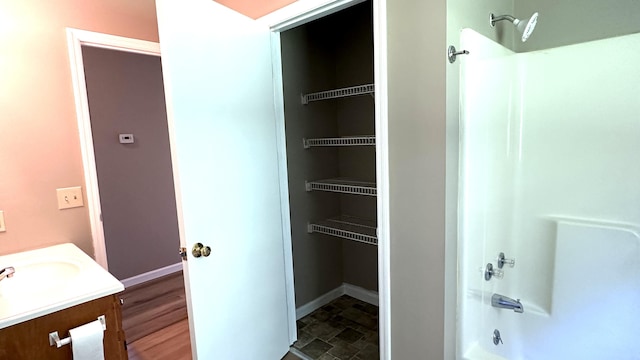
(168, 95)
(281, 141)
(113, 42)
(356, 292)
(362, 294)
(302, 12)
(75, 40)
(382, 174)
(152, 275)
(299, 353)
(319, 302)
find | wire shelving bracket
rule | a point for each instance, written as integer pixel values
(338, 93)
(344, 186)
(346, 227)
(340, 141)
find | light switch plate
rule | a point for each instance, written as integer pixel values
(69, 197)
(3, 228)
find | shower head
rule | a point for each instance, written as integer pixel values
(525, 26)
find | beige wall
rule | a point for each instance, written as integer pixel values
(559, 23)
(39, 141)
(416, 75)
(462, 14)
(571, 22)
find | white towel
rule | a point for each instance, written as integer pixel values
(86, 341)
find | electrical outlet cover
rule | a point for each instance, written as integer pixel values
(69, 197)
(3, 228)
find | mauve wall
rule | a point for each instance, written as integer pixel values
(126, 95)
(39, 141)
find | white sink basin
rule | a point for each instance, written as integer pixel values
(38, 278)
(51, 279)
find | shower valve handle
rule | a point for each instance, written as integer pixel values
(502, 260)
(490, 272)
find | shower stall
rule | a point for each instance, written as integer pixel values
(549, 200)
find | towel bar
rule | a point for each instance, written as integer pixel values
(54, 338)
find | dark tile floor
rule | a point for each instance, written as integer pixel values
(344, 329)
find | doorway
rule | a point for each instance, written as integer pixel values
(331, 175)
(129, 179)
(133, 161)
(126, 52)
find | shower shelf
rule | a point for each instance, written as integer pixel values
(347, 227)
(341, 185)
(338, 93)
(341, 141)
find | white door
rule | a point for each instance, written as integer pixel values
(218, 79)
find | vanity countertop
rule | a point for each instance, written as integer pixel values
(50, 279)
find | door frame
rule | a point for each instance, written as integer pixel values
(295, 14)
(75, 40)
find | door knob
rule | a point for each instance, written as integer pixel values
(200, 250)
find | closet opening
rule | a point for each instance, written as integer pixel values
(328, 92)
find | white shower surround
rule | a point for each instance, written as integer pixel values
(549, 142)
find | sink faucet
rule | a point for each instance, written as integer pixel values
(7, 272)
(504, 302)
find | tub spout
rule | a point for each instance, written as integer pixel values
(504, 302)
(7, 272)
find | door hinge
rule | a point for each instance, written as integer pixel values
(183, 253)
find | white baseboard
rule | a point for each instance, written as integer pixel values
(356, 292)
(319, 302)
(362, 294)
(299, 353)
(151, 275)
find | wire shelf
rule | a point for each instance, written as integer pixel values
(341, 141)
(344, 186)
(347, 227)
(338, 93)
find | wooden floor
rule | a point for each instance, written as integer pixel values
(171, 342)
(154, 318)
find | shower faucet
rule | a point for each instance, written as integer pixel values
(504, 302)
(7, 272)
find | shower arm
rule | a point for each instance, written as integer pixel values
(495, 19)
